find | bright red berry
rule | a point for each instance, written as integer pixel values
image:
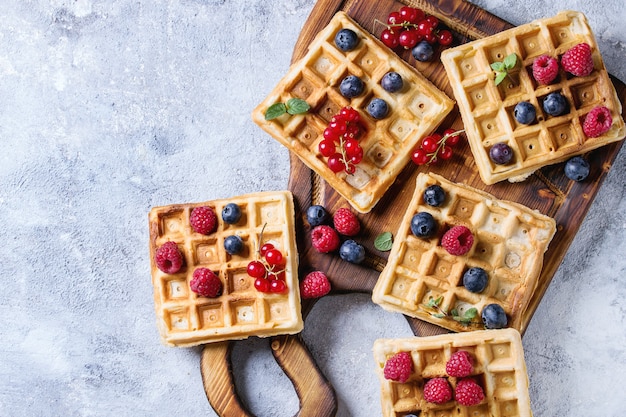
(545, 69)
(256, 269)
(597, 122)
(203, 220)
(444, 37)
(424, 27)
(389, 38)
(205, 283)
(394, 18)
(410, 14)
(458, 240)
(274, 257)
(278, 286)
(335, 163)
(168, 258)
(408, 38)
(452, 136)
(314, 285)
(327, 147)
(578, 60)
(434, 22)
(419, 156)
(460, 364)
(350, 115)
(445, 152)
(468, 392)
(324, 239)
(262, 284)
(437, 391)
(430, 144)
(346, 222)
(265, 247)
(398, 367)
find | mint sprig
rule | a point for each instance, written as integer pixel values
(384, 241)
(466, 319)
(502, 69)
(293, 106)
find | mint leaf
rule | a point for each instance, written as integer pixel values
(500, 77)
(498, 66)
(470, 313)
(438, 315)
(434, 302)
(275, 110)
(384, 241)
(510, 61)
(297, 106)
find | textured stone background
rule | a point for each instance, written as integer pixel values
(108, 108)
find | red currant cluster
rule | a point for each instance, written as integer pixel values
(409, 26)
(436, 146)
(342, 132)
(269, 271)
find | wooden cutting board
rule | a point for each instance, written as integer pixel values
(548, 191)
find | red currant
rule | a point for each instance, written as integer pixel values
(445, 152)
(436, 137)
(434, 22)
(265, 248)
(394, 18)
(335, 163)
(349, 114)
(424, 27)
(278, 286)
(389, 38)
(280, 274)
(430, 37)
(409, 14)
(419, 156)
(337, 126)
(453, 138)
(408, 38)
(256, 269)
(326, 147)
(444, 37)
(350, 168)
(353, 130)
(330, 134)
(429, 144)
(274, 257)
(262, 284)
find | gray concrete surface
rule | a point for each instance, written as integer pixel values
(108, 108)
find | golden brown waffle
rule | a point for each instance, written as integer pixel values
(499, 368)
(186, 319)
(509, 242)
(487, 109)
(415, 111)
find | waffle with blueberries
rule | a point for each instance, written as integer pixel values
(352, 110)
(534, 95)
(225, 269)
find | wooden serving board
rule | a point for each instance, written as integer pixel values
(548, 191)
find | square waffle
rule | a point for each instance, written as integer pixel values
(499, 368)
(509, 242)
(487, 109)
(415, 111)
(186, 319)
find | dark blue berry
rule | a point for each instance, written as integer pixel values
(494, 317)
(231, 213)
(434, 195)
(351, 86)
(233, 244)
(316, 215)
(576, 168)
(525, 112)
(352, 252)
(392, 82)
(346, 40)
(555, 104)
(501, 153)
(424, 225)
(423, 51)
(475, 279)
(378, 108)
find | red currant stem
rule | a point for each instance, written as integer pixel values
(403, 25)
(441, 144)
(257, 250)
(344, 157)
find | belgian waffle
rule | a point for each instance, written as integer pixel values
(487, 109)
(415, 111)
(499, 368)
(509, 242)
(186, 319)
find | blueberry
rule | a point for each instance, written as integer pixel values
(392, 82)
(555, 104)
(475, 279)
(378, 108)
(423, 224)
(346, 40)
(351, 86)
(316, 215)
(233, 244)
(434, 195)
(231, 213)
(501, 153)
(494, 317)
(576, 168)
(423, 51)
(524, 112)
(352, 252)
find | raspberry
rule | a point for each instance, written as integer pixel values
(597, 122)
(545, 69)
(468, 392)
(203, 220)
(314, 285)
(460, 364)
(458, 240)
(399, 367)
(346, 222)
(577, 60)
(324, 238)
(437, 390)
(206, 283)
(168, 258)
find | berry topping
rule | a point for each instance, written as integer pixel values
(458, 240)
(233, 244)
(437, 391)
(475, 279)
(398, 367)
(316, 215)
(378, 108)
(324, 239)
(545, 69)
(352, 252)
(351, 86)
(460, 364)
(434, 195)
(468, 392)
(423, 225)
(203, 220)
(168, 258)
(494, 317)
(576, 168)
(524, 113)
(501, 153)
(206, 283)
(346, 222)
(314, 285)
(231, 213)
(340, 144)
(392, 82)
(555, 104)
(256, 269)
(346, 40)
(597, 122)
(578, 60)
(390, 38)
(423, 51)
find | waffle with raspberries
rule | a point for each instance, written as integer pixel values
(413, 112)
(498, 372)
(238, 310)
(422, 279)
(488, 110)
